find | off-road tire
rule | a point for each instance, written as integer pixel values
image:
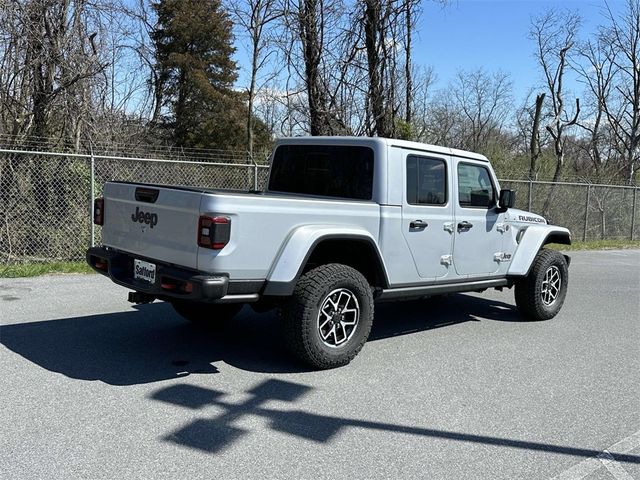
(300, 315)
(529, 292)
(206, 314)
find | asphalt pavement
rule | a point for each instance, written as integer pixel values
(454, 388)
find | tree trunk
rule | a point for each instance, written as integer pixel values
(559, 150)
(372, 30)
(158, 97)
(407, 65)
(180, 110)
(312, 50)
(535, 137)
(252, 92)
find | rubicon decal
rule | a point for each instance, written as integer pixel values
(150, 219)
(523, 218)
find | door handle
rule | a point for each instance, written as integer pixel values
(464, 226)
(418, 224)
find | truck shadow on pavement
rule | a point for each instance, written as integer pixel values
(214, 434)
(152, 343)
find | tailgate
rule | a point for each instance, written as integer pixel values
(152, 221)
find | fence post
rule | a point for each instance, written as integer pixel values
(530, 194)
(93, 196)
(255, 170)
(586, 214)
(633, 212)
(255, 177)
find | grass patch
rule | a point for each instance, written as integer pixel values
(35, 269)
(597, 245)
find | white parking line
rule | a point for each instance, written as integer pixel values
(614, 467)
(605, 459)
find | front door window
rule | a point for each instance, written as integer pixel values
(474, 186)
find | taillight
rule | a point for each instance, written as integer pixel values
(98, 211)
(214, 232)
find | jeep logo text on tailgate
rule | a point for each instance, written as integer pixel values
(142, 217)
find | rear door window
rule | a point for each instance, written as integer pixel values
(426, 181)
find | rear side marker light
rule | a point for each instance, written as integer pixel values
(214, 232)
(98, 211)
(100, 264)
(178, 286)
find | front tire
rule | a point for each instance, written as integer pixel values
(328, 318)
(206, 314)
(540, 295)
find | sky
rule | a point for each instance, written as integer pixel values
(493, 34)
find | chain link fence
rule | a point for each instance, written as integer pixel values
(46, 197)
(590, 211)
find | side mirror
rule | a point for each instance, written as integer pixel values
(507, 199)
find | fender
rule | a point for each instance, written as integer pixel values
(533, 239)
(290, 262)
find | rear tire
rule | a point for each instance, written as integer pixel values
(206, 314)
(328, 318)
(540, 295)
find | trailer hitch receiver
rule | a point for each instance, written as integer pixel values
(140, 297)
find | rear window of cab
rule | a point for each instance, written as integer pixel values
(339, 171)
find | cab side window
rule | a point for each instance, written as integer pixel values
(426, 181)
(474, 186)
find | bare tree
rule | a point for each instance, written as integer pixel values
(311, 31)
(410, 8)
(374, 28)
(138, 33)
(14, 82)
(320, 48)
(60, 52)
(483, 102)
(623, 36)
(554, 34)
(387, 26)
(354, 60)
(530, 139)
(256, 17)
(67, 69)
(423, 80)
(596, 70)
(442, 121)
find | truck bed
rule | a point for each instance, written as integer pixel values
(261, 223)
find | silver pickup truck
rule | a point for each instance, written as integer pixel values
(344, 222)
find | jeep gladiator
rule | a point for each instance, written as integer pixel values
(343, 223)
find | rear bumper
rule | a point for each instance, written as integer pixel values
(172, 282)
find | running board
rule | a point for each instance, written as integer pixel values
(425, 291)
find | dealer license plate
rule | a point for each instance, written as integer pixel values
(144, 270)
